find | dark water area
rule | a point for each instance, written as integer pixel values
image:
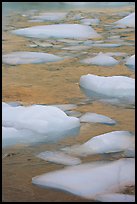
(8, 7)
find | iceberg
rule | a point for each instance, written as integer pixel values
(73, 31)
(101, 60)
(91, 179)
(110, 142)
(116, 87)
(37, 123)
(15, 58)
(128, 21)
(130, 62)
(116, 197)
(97, 118)
(59, 158)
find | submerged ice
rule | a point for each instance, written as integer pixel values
(50, 16)
(59, 158)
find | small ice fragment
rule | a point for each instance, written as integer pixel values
(97, 118)
(101, 60)
(59, 158)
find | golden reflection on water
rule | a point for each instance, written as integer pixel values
(55, 83)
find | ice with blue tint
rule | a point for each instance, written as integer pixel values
(73, 31)
(115, 141)
(91, 179)
(106, 45)
(89, 21)
(128, 21)
(101, 59)
(59, 158)
(130, 62)
(15, 58)
(76, 48)
(119, 88)
(115, 197)
(50, 16)
(97, 118)
(36, 123)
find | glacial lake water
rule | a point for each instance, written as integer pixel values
(58, 83)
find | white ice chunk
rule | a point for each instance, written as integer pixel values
(131, 62)
(73, 31)
(120, 87)
(128, 21)
(89, 21)
(91, 179)
(115, 141)
(44, 122)
(59, 158)
(12, 136)
(116, 197)
(57, 16)
(101, 59)
(97, 118)
(15, 58)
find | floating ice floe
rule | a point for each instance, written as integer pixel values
(101, 60)
(115, 141)
(59, 158)
(73, 31)
(130, 62)
(15, 58)
(89, 21)
(128, 21)
(97, 118)
(105, 45)
(91, 179)
(76, 48)
(36, 123)
(116, 197)
(57, 16)
(121, 88)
